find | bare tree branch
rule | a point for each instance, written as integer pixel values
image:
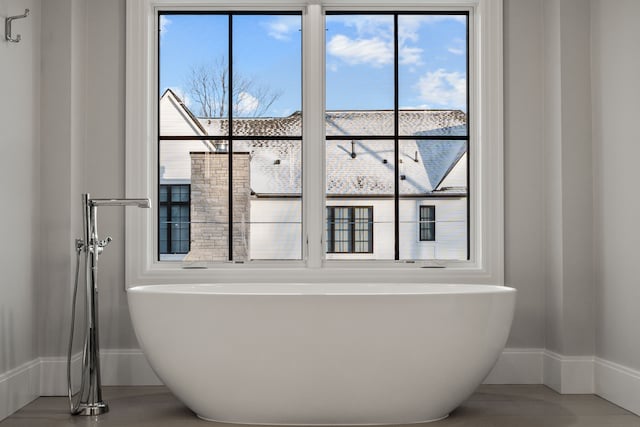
(208, 88)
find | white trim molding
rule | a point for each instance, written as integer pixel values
(618, 384)
(486, 265)
(129, 367)
(53, 374)
(18, 387)
(568, 374)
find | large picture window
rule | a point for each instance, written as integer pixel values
(275, 115)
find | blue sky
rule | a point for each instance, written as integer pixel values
(359, 58)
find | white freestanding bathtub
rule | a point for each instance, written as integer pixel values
(322, 353)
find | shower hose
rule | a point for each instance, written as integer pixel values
(75, 406)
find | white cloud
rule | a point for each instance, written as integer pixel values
(366, 25)
(410, 55)
(409, 25)
(164, 23)
(373, 51)
(282, 27)
(442, 89)
(457, 47)
(247, 104)
(373, 42)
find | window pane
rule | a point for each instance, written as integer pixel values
(163, 193)
(267, 204)
(432, 74)
(341, 235)
(267, 72)
(359, 75)
(184, 193)
(433, 173)
(360, 174)
(193, 74)
(427, 223)
(162, 211)
(363, 226)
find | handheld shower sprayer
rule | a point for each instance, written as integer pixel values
(88, 400)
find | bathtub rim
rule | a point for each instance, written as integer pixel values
(318, 289)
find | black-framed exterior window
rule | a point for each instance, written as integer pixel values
(231, 82)
(398, 139)
(349, 229)
(427, 223)
(174, 214)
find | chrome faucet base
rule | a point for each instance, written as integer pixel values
(88, 400)
(93, 409)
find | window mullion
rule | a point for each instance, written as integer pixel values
(313, 36)
(230, 145)
(396, 141)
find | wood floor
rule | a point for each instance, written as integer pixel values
(490, 406)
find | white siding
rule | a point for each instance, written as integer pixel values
(174, 120)
(451, 229)
(276, 229)
(175, 160)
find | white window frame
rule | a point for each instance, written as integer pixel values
(486, 264)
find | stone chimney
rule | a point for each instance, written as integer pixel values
(210, 206)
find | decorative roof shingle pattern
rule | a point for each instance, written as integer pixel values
(276, 166)
(348, 123)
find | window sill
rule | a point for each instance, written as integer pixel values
(299, 272)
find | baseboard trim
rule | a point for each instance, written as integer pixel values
(53, 374)
(18, 387)
(117, 367)
(568, 374)
(618, 384)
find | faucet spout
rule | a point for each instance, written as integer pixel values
(141, 203)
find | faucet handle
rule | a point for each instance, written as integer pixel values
(105, 242)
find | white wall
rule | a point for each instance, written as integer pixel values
(616, 145)
(568, 178)
(62, 128)
(524, 169)
(20, 213)
(105, 156)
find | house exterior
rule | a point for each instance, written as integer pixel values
(267, 183)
